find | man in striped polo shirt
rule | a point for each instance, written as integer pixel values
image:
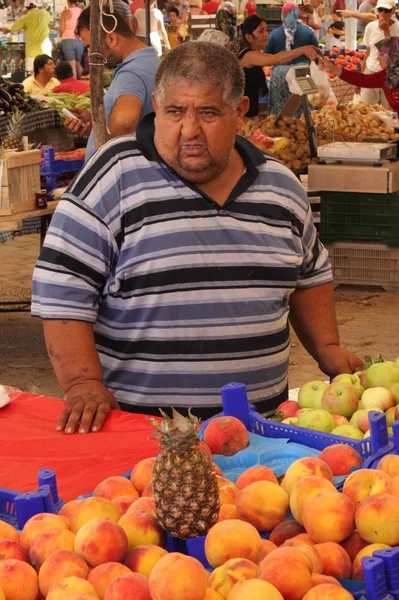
(176, 256)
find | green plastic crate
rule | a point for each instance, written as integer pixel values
(359, 217)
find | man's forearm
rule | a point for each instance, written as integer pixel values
(72, 351)
(312, 315)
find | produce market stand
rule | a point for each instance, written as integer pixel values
(14, 222)
(47, 118)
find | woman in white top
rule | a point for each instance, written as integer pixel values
(72, 46)
(157, 28)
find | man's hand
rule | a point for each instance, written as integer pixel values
(334, 360)
(311, 52)
(331, 68)
(347, 14)
(82, 124)
(87, 407)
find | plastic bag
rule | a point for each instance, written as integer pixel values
(325, 94)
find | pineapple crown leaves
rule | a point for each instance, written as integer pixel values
(175, 428)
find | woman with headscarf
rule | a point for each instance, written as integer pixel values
(226, 20)
(290, 36)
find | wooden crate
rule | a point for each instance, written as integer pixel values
(20, 180)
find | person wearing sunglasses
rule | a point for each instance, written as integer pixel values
(375, 32)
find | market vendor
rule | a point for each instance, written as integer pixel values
(68, 83)
(42, 80)
(128, 98)
(175, 258)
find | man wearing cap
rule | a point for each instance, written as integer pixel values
(373, 34)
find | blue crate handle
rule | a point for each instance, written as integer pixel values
(390, 558)
(48, 477)
(374, 579)
(235, 402)
(378, 431)
(395, 429)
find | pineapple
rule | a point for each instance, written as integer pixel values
(186, 492)
(13, 139)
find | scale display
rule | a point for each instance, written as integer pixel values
(304, 80)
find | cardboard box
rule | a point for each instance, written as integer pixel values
(354, 177)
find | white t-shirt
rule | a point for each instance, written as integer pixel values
(316, 20)
(156, 17)
(372, 35)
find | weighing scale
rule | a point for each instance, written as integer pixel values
(362, 152)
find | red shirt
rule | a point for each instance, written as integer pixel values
(135, 5)
(72, 86)
(210, 7)
(250, 7)
(372, 80)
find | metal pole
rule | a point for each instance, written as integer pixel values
(97, 77)
(148, 21)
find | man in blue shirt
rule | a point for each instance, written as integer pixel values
(128, 98)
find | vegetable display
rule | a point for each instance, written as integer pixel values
(12, 95)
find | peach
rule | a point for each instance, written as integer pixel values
(364, 483)
(39, 523)
(285, 531)
(328, 591)
(305, 538)
(254, 589)
(232, 539)
(263, 504)
(8, 532)
(389, 464)
(93, 508)
(266, 549)
(304, 467)
(70, 585)
(18, 580)
(142, 528)
(2, 596)
(11, 549)
(228, 511)
(112, 487)
(58, 565)
(319, 579)
(222, 481)
(132, 585)
(289, 570)
(100, 577)
(47, 542)
(393, 486)
(79, 596)
(253, 474)
(100, 541)
(68, 508)
(335, 560)
(148, 491)
(304, 491)
(357, 568)
(223, 578)
(341, 517)
(353, 544)
(310, 551)
(341, 458)
(122, 503)
(227, 495)
(142, 559)
(178, 577)
(226, 435)
(377, 519)
(141, 474)
(210, 595)
(143, 504)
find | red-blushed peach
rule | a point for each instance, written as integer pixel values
(100, 577)
(39, 523)
(285, 531)
(254, 589)
(209, 595)
(8, 532)
(112, 487)
(266, 548)
(228, 511)
(132, 586)
(178, 577)
(142, 528)
(226, 435)
(304, 490)
(232, 539)
(223, 578)
(357, 568)
(353, 544)
(305, 538)
(143, 504)
(389, 464)
(143, 559)
(310, 551)
(122, 503)
(341, 458)
(141, 474)
(78, 596)
(68, 508)
(93, 508)
(377, 519)
(70, 585)
(341, 517)
(217, 470)
(289, 570)
(2, 595)
(47, 542)
(263, 504)
(253, 474)
(393, 486)
(361, 484)
(11, 549)
(227, 495)
(148, 491)
(205, 448)
(58, 565)
(223, 481)
(328, 591)
(100, 541)
(319, 579)
(303, 467)
(335, 560)
(18, 580)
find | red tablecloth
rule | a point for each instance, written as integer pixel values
(29, 441)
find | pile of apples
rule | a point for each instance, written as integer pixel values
(342, 407)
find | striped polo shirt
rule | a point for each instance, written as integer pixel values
(184, 295)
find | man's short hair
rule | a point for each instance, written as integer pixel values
(202, 62)
(113, 22)
(173, 9)
(40, 62)
(63, 70)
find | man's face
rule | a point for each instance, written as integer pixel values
(49, 69)
(195, 129)
(85, 37)
(385, 15)
(173, 17)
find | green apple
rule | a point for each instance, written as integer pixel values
(348, 431)
(360, 419)
(340, 399)
(302, 411)
(382, 374)
(309, 391)
(380, 397)
(319, 420)
(291, 421)
(352, 380)
(397, 362)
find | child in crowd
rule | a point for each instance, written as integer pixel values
(335, 31)
(173, 28)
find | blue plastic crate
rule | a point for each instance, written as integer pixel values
(51, 168)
